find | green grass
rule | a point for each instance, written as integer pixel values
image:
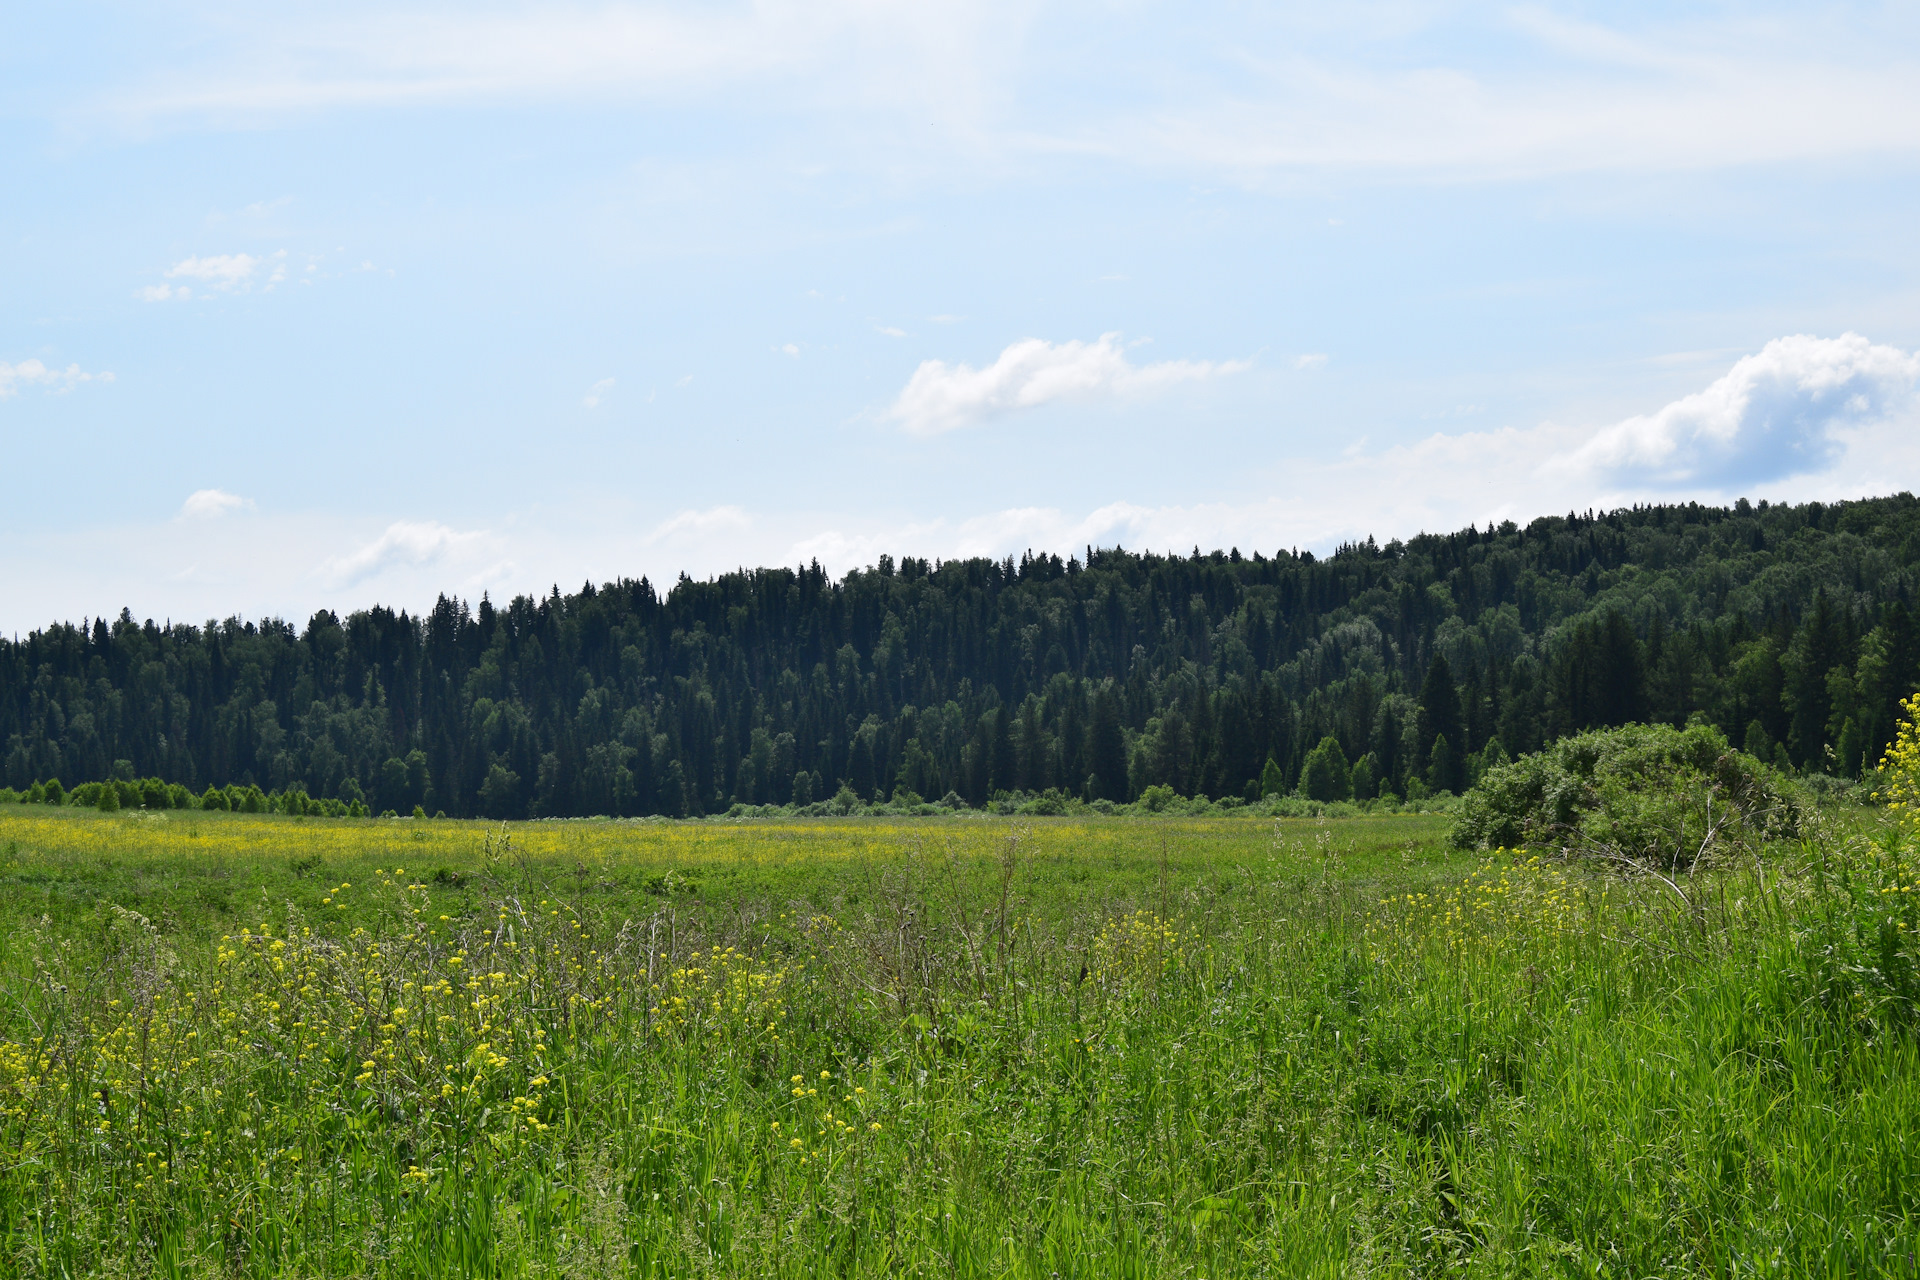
(1091, 1048)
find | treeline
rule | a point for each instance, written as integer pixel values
(154, 793)
(1401, 669)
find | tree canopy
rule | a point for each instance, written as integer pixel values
(1789, 628)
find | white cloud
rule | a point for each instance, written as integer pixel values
(1312, 360)
(206, 504)
(405, 544)
(220, 273)
(790, 349)
(1789, 409)
(33, 373)
(597, 393)
(1803, 418)
(223, 271)
(892, 332)
(689, 525)
(1799, 419)
(941, 397)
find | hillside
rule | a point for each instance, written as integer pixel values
(1790, 627)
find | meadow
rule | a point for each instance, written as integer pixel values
(246, 1045)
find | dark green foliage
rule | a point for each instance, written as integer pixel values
(1648, 795)
(1440, 718)
(1325, 775)
(1366, 777)
(1098, 676)
(1444, 769)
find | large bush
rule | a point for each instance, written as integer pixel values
(1643, 794)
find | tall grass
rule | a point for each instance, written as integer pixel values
(989, 1058)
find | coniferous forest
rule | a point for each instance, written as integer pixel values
(1403, 669)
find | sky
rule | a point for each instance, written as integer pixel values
(322, 306)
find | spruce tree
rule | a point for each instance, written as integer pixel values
(1107, 750)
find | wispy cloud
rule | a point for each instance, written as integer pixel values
(208, 504)
(597, 393)
(697, 524)
(33, 373)
(405, 544)
(223, 271)
(1461, 90)
(930, 54)
(942, 397)
(1580, 97)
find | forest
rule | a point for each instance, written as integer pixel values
(1403, 670)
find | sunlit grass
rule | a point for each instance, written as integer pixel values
(269, 1046)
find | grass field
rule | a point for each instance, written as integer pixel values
(269, 1046)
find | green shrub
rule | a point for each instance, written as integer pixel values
(1156, 798)
(1648, 795)
(1048, 804)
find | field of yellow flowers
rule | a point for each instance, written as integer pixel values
(243, 1045)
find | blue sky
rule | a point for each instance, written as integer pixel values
(318, 305)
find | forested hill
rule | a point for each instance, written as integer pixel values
(1790, 627)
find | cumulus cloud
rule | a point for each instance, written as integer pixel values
(33, 373)
(218, 272)
(1789, 409)
(405, 544)
(942, 397)
(1802, 418)
(207, 504)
